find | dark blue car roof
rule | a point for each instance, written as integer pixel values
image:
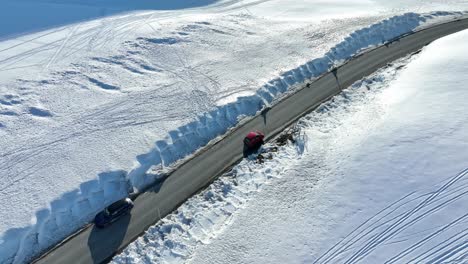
(117, 205)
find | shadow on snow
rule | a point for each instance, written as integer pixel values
(19, 17)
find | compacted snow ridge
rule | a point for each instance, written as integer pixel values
(384, 179)
(203, 217)
(94, 110)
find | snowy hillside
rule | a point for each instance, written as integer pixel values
(377, 175)
(92, 108)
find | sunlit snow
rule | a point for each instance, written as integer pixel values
(97, 97)
(382, 181)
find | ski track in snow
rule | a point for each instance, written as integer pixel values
(385, 226)
(77, 207)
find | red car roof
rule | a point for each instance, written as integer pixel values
(253, 134)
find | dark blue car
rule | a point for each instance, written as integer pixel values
(113, 212)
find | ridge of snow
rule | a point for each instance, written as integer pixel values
(78, 207)
(204, 216)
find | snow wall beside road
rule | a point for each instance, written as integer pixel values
(76, 208)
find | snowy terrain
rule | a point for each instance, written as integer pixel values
(91, 109)
(377, 174)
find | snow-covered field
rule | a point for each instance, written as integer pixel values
(378, 174)
(93, 108)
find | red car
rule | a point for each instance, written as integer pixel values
(254, 139)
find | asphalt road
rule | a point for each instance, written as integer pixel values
(93, 245)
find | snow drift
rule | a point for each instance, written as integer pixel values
(76, 208)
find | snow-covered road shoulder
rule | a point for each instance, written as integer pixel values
(77, 207)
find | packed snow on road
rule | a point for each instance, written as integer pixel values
(378, 174)
(98, 99)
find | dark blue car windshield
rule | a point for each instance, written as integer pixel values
(116, 206)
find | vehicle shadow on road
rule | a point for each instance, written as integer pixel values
(104, 242)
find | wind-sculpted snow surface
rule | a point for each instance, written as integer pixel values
(77, 207)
